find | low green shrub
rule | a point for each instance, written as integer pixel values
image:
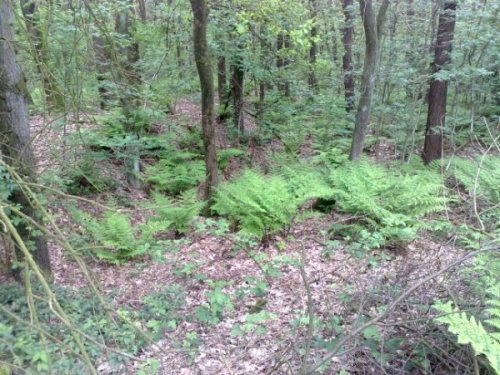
(262, 205)
(179, 213)
(389, 202)
(117, 240)
(176, 172)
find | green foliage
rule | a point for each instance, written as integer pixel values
(21, 345)
(225, 155)
(180, 213)
(176, 172)
(480, 176)
(218, 303)
(161, 308)
(470, 330)
(387, 202)
(261, 205)
(82, 177)
(7, 186)
(265, 204)
(118, 240)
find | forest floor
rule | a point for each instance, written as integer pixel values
(307, 275)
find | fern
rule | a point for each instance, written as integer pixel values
(179, 213)
(470, 330)
(387, 201)
(485, 171)
(118, 240)
(225, 155)
(261, 205)
(177, 172)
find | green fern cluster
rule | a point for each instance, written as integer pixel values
(176, 172)
(484, 338)
(261, 205)
(481, 175)
(180, 213)
(118, 240)
(388, 202)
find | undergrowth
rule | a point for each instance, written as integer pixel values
(388, 203)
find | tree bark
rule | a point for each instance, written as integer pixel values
(202, 58)
(313, 50)
(221, 79)
(438, 91)
(347, 39)
(129, 97)
(282, 46)
(15, 138)
(39, 52)
(237, 82)
(373, 28)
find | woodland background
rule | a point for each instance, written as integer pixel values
(249, 187)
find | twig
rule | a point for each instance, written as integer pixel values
(310, 312)
(394, 304)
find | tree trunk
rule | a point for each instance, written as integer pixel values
(15, 145)
(129, 97)
(102, 68)
(373, 27)
(237, 93)
(347, 39)
(221, 79)
(39, 51)
(282, 46)
(202, 57)
(313, 50)
(439, 88)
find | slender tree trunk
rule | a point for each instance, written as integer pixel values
(313, 50)
(347, 39)
(373, 28)
(129, 97)
(439, 88)
(221, 79)
(237, 92)
(102, 68)
(15, 139)
(282, 46)
(202, 57)
(39, 51)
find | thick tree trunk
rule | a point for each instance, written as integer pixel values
(202, 57)
(439, 88)
(129, 97)
(15, 139)
(372, 26)
(347, 39)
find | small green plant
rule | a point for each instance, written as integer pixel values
(253, 323)
(225, 155)
(161, 308)
(180, 213)
(117, 240)
(388, 202)
(176, 172)
(218, 303)
(470, 330)
(263, 205)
